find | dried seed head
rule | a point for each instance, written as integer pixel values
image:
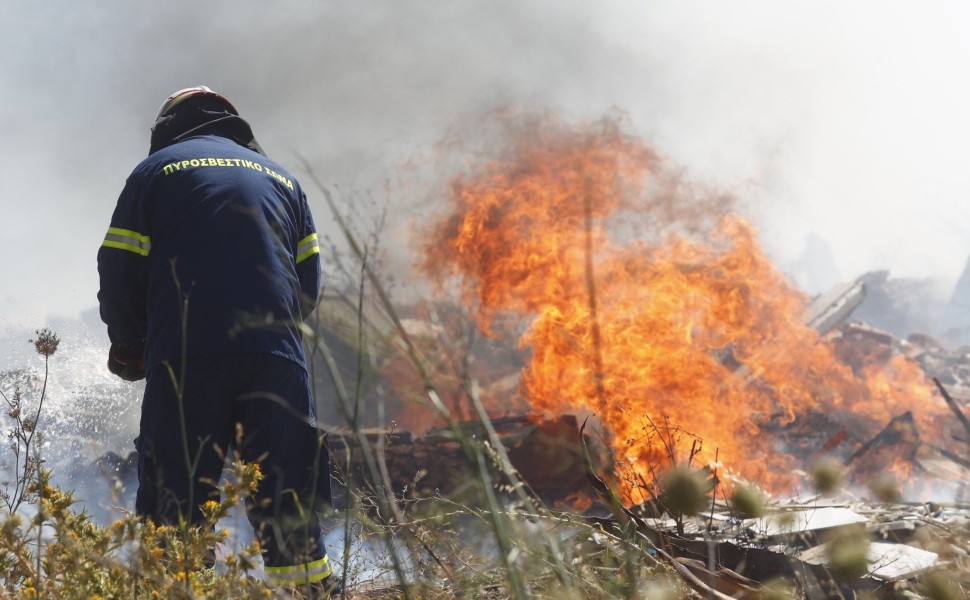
(827, 474)
(46, 342)
(664, 589)
(749, 501)
(685, 490)
(938, 586)
(778, 589)
(847, 551)
(885, 487)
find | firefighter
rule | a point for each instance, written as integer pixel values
(208, 270)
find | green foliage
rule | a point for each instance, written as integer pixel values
(128, 558)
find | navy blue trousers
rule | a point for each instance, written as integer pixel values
(257, 405)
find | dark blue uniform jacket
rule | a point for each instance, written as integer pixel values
(211, 249)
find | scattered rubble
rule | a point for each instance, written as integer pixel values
(718, 551)
(799, 541)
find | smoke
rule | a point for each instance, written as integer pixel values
(88, 418)
(843, 121)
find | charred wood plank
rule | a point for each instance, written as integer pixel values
(953, 405)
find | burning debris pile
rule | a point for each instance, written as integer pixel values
(644, 303)
(927, 466)
(723, 549)
(645, 300)
(591, 279)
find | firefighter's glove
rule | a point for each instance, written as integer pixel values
(127, 361)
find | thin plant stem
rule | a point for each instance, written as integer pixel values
(472, 451)
(360, 437)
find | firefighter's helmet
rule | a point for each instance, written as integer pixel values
(197, 92)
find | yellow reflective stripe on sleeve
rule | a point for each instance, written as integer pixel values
(299, 574)
(126, 239)
(307, 247)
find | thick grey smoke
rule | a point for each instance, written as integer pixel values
(846, 122)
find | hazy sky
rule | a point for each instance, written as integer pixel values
(846, 120)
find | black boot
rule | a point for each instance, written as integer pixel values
(331, 587)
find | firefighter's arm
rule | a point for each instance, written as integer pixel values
(123, 272)
(308, 268)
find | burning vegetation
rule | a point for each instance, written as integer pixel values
(648, 303)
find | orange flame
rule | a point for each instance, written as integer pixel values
(584, 232)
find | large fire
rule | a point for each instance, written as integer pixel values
(649, 304)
